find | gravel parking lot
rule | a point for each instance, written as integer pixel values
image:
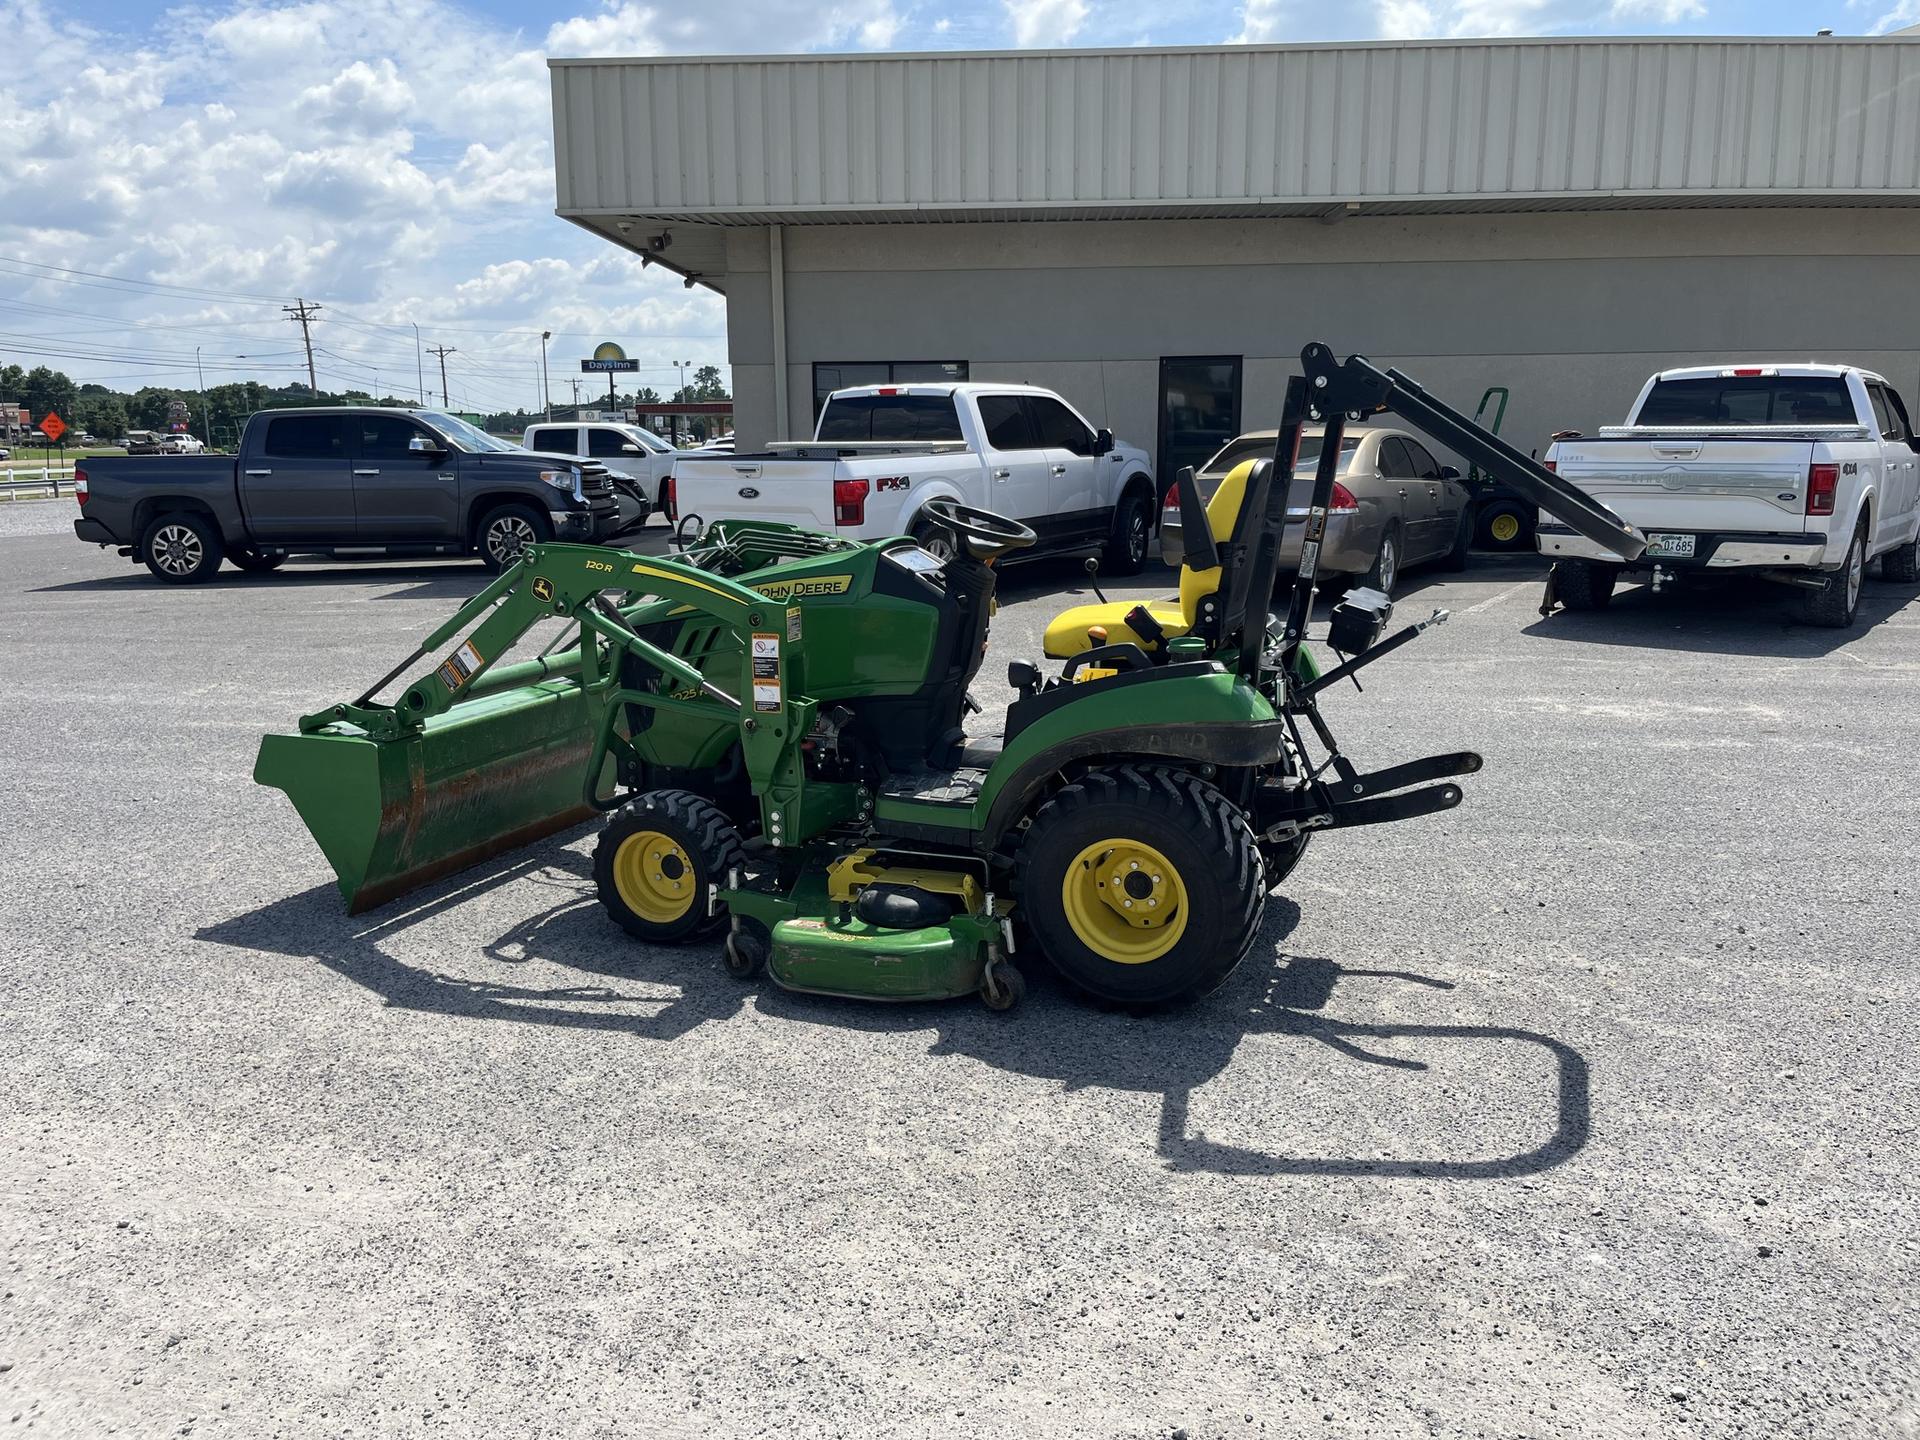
(1587, 1109)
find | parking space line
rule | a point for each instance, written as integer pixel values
(1506, 594)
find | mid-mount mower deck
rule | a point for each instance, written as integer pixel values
(774, 722)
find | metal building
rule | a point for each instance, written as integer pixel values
(1155, 233)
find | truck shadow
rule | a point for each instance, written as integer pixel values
(1748, 617)
(430, 580)
(1052, 1037)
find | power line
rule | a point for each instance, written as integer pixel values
(123, 282)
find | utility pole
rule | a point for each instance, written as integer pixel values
(206, 410)
(304, 313)
(419, 366)
(576, 397)
(443, 351)
(546, 387)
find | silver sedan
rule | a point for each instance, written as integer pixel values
(1394, 505)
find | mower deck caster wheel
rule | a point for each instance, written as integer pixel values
(1003, 987)
(747, 950)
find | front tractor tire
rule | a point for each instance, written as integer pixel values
(656, 859)
(1142, 886)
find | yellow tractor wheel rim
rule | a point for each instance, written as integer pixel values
(653, 876)
(1125, 901)
(1505, 527)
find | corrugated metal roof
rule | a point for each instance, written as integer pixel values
(1402, 127)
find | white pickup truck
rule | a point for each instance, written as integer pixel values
(1797, 473)
(880, 452)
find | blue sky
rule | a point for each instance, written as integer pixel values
(169, 178)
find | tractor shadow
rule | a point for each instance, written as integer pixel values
(1052, 1037)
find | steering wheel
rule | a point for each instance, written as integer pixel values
(986, 535)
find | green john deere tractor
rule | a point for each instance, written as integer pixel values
(776, 725)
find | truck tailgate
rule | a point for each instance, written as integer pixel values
(792, 492)
(1694, 484)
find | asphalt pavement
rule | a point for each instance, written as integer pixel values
(1587, 1109)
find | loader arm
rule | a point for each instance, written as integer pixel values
(480, 756)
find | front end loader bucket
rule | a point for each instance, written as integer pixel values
(491, 774)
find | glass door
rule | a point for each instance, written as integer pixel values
(1199, 409)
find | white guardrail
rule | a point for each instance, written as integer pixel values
(48, 481)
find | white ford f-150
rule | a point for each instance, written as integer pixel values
(1797, 473)
(881, 452)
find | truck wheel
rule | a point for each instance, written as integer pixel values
(936, 540)
(182, 548)
(1142, 886)
(1583, 584)
(254, 562)
(505, 533)
(1504, 525)
(655, 860)
(1837, 600)
(1902, 564)
(1126, 549)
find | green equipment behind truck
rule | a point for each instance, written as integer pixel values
(776, 725)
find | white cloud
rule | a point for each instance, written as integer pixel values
(1039, 24)
(1906, 13)
(618, 29)
(362, 98)
(1415, 19)
(1406, 19)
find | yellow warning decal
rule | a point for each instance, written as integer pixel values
(809, 585)
(458, 667)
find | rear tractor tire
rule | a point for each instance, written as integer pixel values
(1142, 886)
(656, 860)
(1504, 525)
(1583, 584)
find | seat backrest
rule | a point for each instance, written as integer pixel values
(1223, 512)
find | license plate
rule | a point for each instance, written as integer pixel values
(1670, 547)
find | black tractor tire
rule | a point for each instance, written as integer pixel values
(1837, 601)
(182, 547)
(1456, 557)
(254, 563)
(1215, 889)
(1384, 575)
(1901, 565)
(656, 857)
(1584, 584)
(505, 531)
(1132, 537)
(1504, 525)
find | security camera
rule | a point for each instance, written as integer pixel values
(661, 241)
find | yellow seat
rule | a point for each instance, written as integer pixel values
(1069, 632)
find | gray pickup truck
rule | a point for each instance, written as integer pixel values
(343, 481)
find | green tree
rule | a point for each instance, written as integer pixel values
(13, 383)
(48, 390)
(104, 416)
